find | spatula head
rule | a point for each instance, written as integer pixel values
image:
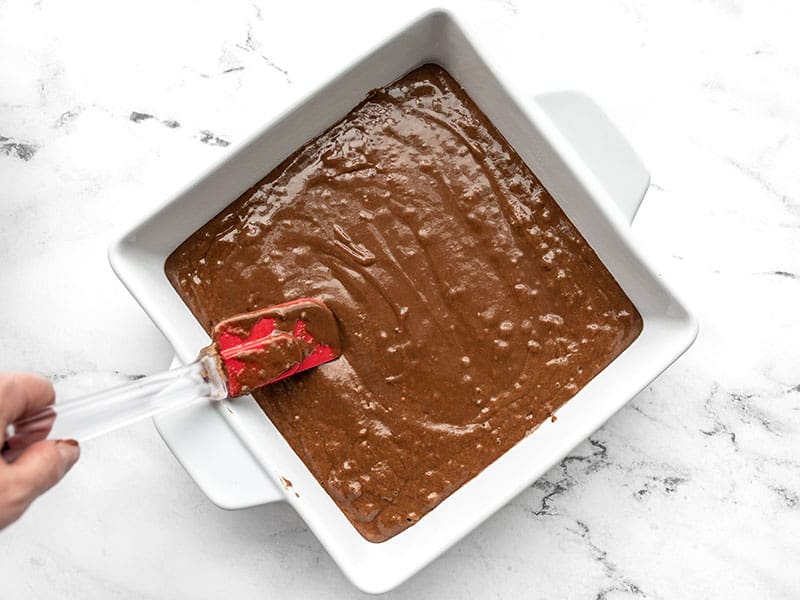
(265, 346)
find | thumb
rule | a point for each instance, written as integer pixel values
(42, 465)
(35, 471)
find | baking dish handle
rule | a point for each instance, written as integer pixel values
(601, 146)
(226, 471)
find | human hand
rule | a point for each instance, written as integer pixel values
(29, 465)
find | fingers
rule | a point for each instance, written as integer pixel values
(43, 464)
(36, 465)
(35, 471)
(16, 444)
(22, 394)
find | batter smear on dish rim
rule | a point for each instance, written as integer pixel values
(470, 307)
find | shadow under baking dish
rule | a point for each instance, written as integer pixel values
(138, 258)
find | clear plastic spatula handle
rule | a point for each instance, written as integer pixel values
(88, 417)
(252, 350)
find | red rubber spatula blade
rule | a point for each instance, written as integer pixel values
(265, 346)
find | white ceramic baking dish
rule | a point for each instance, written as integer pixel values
(235, 453)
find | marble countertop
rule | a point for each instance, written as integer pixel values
(692, 490)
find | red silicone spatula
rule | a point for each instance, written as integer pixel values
(249, 351)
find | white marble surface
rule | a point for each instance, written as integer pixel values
(692, 490)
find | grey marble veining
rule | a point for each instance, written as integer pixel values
(692, 490)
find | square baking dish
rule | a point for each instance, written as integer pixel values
(577, 155)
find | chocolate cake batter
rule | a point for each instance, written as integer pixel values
(470, 307)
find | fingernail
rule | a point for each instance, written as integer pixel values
(69, 449)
